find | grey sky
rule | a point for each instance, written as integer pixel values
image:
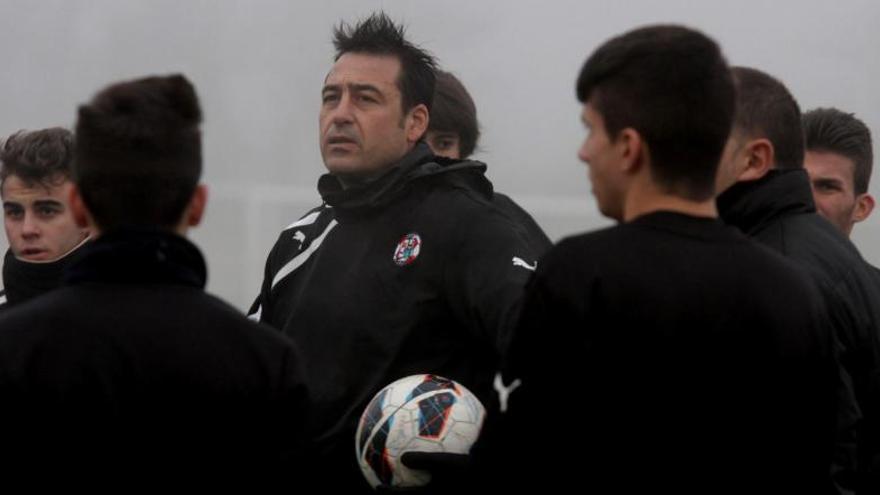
(258, 67)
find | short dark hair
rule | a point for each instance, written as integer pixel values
(138, 155)
(455, 112)
(673, 86)
(42, 157)
(832, 130)
(765, 108)
(378, 35)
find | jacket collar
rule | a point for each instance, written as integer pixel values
(750, 205)
(135, 255)
(419, 163)
(24, 280)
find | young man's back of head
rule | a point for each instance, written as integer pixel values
(138, 155)
(683, 115)
(765, 108)
(766, 133)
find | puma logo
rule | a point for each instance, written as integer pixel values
(517, 261)
(504, 391)
(299, 236)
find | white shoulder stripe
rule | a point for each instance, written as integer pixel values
(3, 299)
(303, 256)
(306, 220)
(256, 316)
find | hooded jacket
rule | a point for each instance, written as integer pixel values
(416, 272)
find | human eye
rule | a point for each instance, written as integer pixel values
(47, 211)
(12, 212)
(826, 186)
(367, 98)
(445, 143)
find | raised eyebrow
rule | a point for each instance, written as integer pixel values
(364, 87)
(48, 202)
(356, 87)
(329, 87)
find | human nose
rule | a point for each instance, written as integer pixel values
(30, 227)
(582, 153)
(342, 113)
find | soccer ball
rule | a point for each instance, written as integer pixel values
(423, 413)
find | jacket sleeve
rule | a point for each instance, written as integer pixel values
(492, 261)
(536, 371)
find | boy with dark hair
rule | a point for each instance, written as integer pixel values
(131, 372)
(454, 130)
(839, 159)
(453, 133)
(649, 356)
(35, 185)
(766, 194)
(407, 267)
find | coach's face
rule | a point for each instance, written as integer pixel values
(363, 127)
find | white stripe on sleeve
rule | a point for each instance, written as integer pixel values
(303, 256)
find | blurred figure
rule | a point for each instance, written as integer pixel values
(667, 354)
(35, 184)
(767, 195)
(130, 374)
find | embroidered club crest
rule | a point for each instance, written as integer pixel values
(407, 249)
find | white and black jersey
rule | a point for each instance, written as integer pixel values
(418, 272)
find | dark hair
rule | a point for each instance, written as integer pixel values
(765, 108)
(672, 85)
(378, 35)
(834, 131)
(138, 154)
(40, 157)
(454, 112)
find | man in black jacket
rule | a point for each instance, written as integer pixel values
(766, 194)
(131, 373)
(668, 354)
(35, 183)
(407, 267)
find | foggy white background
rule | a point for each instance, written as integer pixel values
(258, 66)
